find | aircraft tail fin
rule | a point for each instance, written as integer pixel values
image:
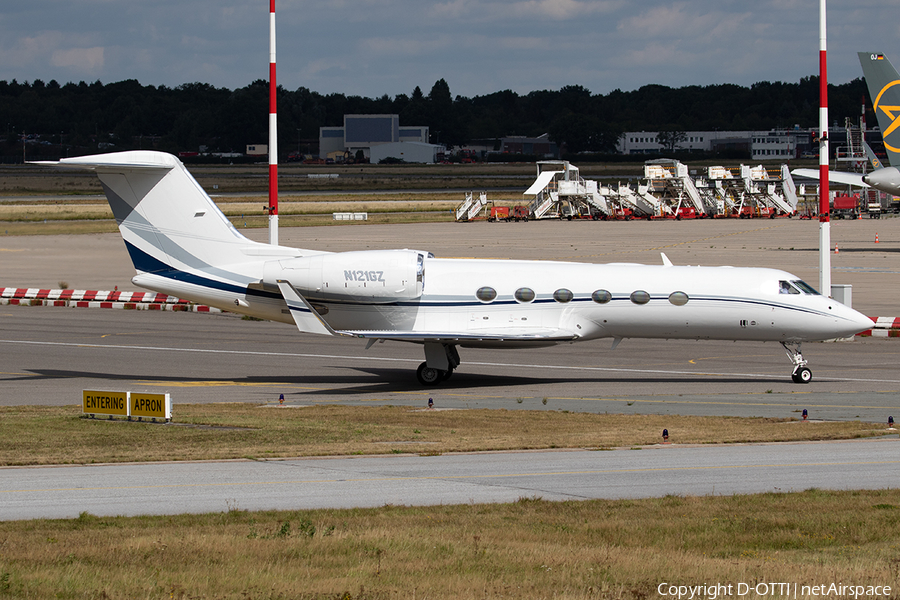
(884, 89)
(168, 222)
(873, 158)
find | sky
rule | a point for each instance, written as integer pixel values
(375, 47)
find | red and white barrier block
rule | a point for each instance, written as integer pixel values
(99, 299)
(883, 327)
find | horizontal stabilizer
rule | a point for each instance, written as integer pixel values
(117, 161)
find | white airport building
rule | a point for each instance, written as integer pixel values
(776, 144)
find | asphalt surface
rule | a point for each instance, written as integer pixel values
(48, 355)
(51, 354)
(138, 489)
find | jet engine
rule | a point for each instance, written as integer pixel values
(368, 276)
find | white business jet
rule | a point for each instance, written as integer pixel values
(182, 245)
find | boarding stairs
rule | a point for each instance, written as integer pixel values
(471, 206)
(672, 179)
(595, 199)
(764, 189)
(557, 184)
(853, 155)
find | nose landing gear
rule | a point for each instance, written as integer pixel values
(801, 373)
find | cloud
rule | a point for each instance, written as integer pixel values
(682, 21)
(89, 60)
(406, 46)
(519, 10)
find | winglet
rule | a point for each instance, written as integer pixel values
(665, 259)
(305, 316)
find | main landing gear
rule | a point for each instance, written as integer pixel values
(801, 373)
(431, 376)
(440, 360)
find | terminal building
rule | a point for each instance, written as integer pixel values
(778, 144)
(377, 137)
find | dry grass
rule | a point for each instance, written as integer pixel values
(37, 435)
(527, 549)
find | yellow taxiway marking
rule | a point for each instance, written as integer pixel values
(190, 384)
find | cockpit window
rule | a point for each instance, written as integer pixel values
(785, 287)
(805, 287)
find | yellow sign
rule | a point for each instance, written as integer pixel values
(105, 403)
(150, 405)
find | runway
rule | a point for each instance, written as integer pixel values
(141, 489)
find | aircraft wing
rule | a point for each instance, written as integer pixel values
(505, 335)
(308, 320)
(836, 176)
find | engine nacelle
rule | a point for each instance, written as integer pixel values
(369, 276)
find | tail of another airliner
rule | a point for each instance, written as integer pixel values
(884, 90)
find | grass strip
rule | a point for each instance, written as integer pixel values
(41, 435)
(532, 548)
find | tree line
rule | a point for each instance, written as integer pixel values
(80, 118)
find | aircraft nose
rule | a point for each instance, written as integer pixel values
(853, 321)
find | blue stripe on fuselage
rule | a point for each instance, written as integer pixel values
(149, 264)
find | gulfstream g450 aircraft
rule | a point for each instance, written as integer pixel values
(182, 245)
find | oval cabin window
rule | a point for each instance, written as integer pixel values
(486, 294)
(563, 295)
(678, 298)
(640, 297)
(524, 294)
(601, 296)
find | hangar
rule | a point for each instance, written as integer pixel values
(362, 133)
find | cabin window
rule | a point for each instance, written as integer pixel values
(601, 296)
(486, 294)
(524, 294)
(640, 297)
(785, 287)
(806, 288)
(563, 295)
(678, 298)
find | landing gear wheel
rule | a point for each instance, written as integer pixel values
(802, 375)
(429, 375)
(447, 374)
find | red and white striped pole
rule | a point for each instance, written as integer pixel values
(273, 133)
(824, 200)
